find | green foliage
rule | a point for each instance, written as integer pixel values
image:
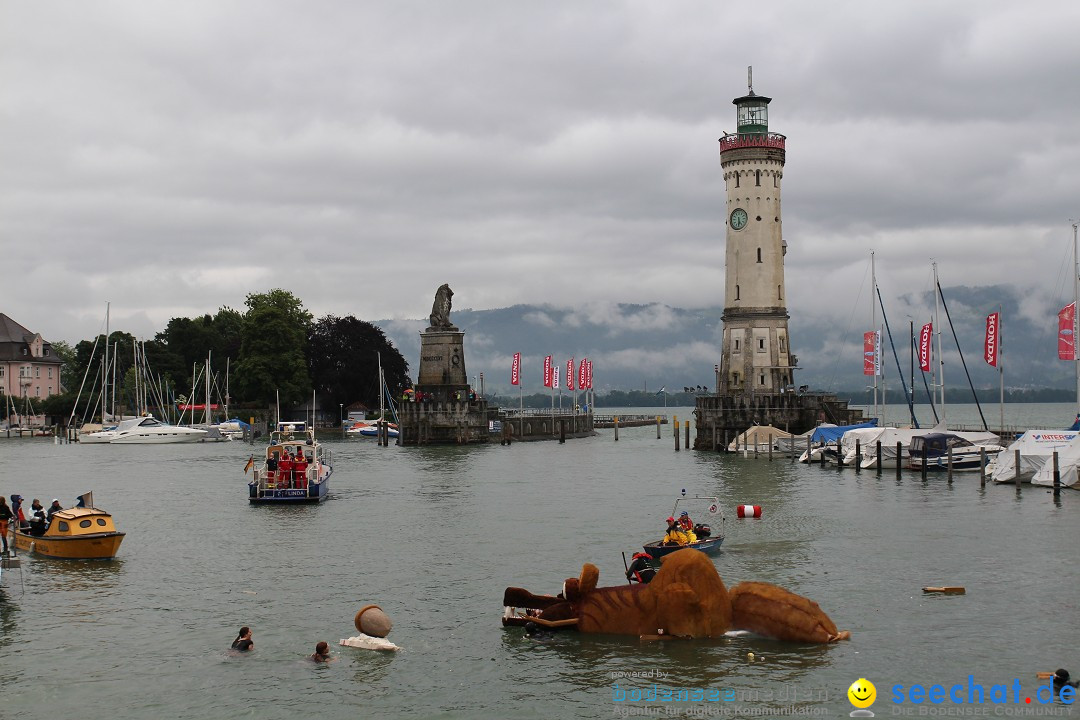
(70, 371)
(273, 347)
(186, 342)
(343, 358)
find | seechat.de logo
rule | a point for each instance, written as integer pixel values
(862, 695)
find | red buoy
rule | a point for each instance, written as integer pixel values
(749, 511)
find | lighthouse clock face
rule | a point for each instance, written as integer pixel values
(738, 219)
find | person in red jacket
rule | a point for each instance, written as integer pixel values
(285, 467)
(300, 469)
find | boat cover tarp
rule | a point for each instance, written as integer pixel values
(1036, 447)
(889, 437)
(1068, 460)
(757, 436)
(826, 433)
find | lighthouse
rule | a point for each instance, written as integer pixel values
(754, 381)
(756, 352)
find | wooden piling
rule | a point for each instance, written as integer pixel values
(1016, 468)
(879, 457)
(923, 463)
(676, 432)
(616, 422)
(1057, 476)
(770, 447)
(687, 432)
(562, 431)
(982, 467)
(949, 465)
(858, 456)
(899, 449)
(657, 427)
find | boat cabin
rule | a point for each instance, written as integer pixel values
(77, 522)
(936, 444)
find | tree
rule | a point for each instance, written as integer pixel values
(185, 343)
(343, 358)
(273, 345)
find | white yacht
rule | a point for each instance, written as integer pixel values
(144, 431)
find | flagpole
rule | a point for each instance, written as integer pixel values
(1001, 374)
(941, 360)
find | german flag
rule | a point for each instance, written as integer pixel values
(250, 464)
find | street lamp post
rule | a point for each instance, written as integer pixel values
(341, 413)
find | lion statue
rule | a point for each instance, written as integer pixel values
(440, 309)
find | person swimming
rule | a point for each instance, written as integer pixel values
(322, 653)
(1061, 680)
(243, 641)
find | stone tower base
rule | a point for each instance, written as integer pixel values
(721, 418)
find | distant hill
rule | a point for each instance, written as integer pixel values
(646, 347)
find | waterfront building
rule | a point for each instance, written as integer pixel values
(29, 369)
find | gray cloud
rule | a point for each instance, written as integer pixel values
(170, 159)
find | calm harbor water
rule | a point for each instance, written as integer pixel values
(434, 535)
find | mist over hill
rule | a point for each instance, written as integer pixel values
(647, 347)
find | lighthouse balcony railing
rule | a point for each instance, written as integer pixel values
(753, 140)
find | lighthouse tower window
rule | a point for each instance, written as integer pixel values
(759, 254)
(757, 177)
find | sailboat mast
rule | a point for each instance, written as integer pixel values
(112, 366)
(206, 405)
(1076, 298)
(941, 360)
(873, 326)
(105, 369)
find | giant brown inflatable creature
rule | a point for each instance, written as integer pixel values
(687, 598)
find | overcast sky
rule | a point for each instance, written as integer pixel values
(170, 158)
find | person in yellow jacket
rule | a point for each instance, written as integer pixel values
(674, 535)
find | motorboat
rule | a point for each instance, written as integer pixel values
(80, 533)
(709, 539)
(144, 430)
(371, 429)
(939, 450)
(278, 479)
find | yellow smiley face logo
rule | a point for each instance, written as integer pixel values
(862, 693)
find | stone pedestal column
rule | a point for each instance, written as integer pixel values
(442, 361)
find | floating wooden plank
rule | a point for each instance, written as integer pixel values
(946, 589)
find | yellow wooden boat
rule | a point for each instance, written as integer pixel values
(74, 534)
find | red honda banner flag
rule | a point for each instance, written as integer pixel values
(1067, 332)
(582, 379)
(990, 348)
(926, 337)
(555, 377)
(570, 374)
(588, 376)
(869, 354)
(515, 370)
(547, 371)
